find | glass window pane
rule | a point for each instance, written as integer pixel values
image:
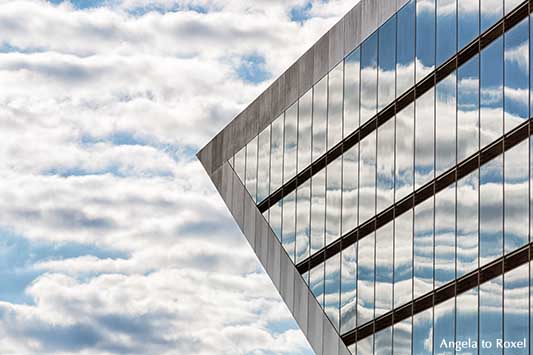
(466, 320)
(350, 189)
(335, 97)
(318, 211)
(351, 91)
(348, 288)
(251, 168)
(445, 236)
(468, 109)
(423, 333)
(263, 168)
(303, 221)
(403, 259)
(384, 342)
(305, 114)
(275, 216)
(367, 178)
(240, 164)
(333, 200)
(468, 21)
(369, 78)
(384, 269)
(491, 313)
(387, 63)
(332, 286)
(365, 280)
(366, 345)
(402, 337)
(320, 117)
(423, 248)
(316, 283)
(385, 166)
(491, 12)
(516, 308)
(276, 154)
(445, 125)
(516, 75)
(288, 237)
(491, 100)
(405, 66)
(511, 4)
(351, 348)
(405, 150)
(291, 143)
(424, 138)
(425, 37)
(444, 342)
(467, 223)
(516, 196)
(446, 28)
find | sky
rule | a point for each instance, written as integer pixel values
(112, 238)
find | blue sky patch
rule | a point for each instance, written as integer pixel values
(252, 69)
(301, 14)
(83, 4)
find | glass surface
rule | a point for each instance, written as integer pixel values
(305, 130)
(332, 286)
(352, 82)
(423, 248)
(425, 37)
(263, 165)
(276, 154)
(291, 143)
(385, 166)
(320, 117)
(251, 168)
(491, 12)
(384, 342)
(335, 98)
(387, 63)
(445, 236)
(467, 223)
(444, 338)
(365, 279)
(369, 77)
(348, 288)
(402, 337)
(384, 269)
(446, 29)
(350, 189)
(333, 200)
(366, 346)
(491, 100)
(305, 276)
(516, 75)
(468, 21)
(403, 259)
(510, 5)
(405, 150)
(303, 221)
(240, 164)
(516, 309)
(516, 196)
(468, 109)
(491, 313)
(466, 321)
(424, 138)
(351, 349)
(318, 211)
(405, 63)
(423, 333)
(491, 211)
(275, 218)
(367, 178)
(445, 125)
(316, 283)
(288, 236)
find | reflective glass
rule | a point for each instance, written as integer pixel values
(385, 166)
(275, 218)
(445, 125)
(468, 21)
(387, 63)
(288, 237)
(335, 97)
(444, 338)
(384, 269)
(332, 286)
(467, 223)
(425, 37)
(516, 75)
(405, 150)
(369, 78)
(423, 333)
(384, 342)
(510, 5)
(291, 143)
(316, 283)
(491, 313)
(424, 138)
(333, 200)
(466, 321)
(276, 154)
(305, 276)
(516, 309)
(366, 346)
(403, 259)
(365, 279)
(320, 117)
(491, 211)
(491, 100)
(350, 189)
(251, 168)
(318, 211)
(352, 84)
(351, 349)
(491, 12)
(516, 196)
(263, 165)
(445, 236)
(423, 248)
(405, 63)
(402, 337)
(468, 109)
(367, 178)
(348, 288)
(240, 164)
(305, 114)
(303, 220)
(446, 29)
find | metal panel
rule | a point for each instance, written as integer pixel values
(321, 58)
(265, 110)
(352, 29)
(227, 184)
(331, 338)
(261, 240)
(306, 66)
(250, 211)
(400, 3)
(287, 281)
(369, 17)
(387, 8)
(238, 202)
(315, 326)
(336, 44)
(343, 350)
(273, 262)
(291, 84)
(278, 96)
(301, 294)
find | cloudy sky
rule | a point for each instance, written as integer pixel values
(113, 240)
